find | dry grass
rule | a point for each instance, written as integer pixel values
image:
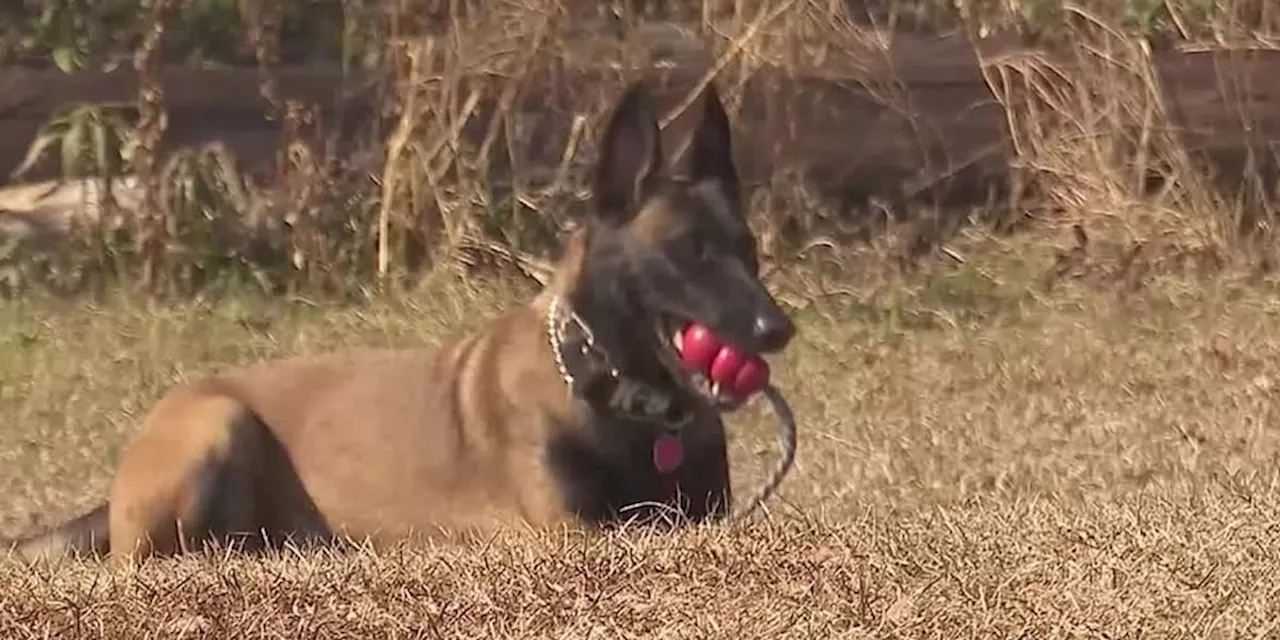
(978, 458)
(463, 162)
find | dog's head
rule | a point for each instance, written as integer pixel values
(667, 251)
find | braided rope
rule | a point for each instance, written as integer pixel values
(787, 432)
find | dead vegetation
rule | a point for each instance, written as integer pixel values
(458, 167)
(1034, 569)
(1061, 429)
(978, 458)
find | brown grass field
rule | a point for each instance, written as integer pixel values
(982, 455)
(979, 457)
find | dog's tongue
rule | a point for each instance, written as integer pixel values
(735, 374)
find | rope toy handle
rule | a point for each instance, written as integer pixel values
(787, 432)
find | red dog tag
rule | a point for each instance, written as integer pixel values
(668, 453)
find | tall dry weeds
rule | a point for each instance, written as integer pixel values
(463, 171)
(1099, 150)
(153, 233)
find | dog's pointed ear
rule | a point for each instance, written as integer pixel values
(630, 156)
(712, 146)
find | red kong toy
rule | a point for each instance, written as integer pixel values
(736, 373)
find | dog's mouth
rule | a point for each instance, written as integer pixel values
(672, 331)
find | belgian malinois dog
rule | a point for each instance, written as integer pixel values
(548, 415)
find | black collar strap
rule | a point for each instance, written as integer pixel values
(591, 375)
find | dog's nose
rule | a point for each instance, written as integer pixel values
(772, 331)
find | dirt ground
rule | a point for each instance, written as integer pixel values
(979, 457)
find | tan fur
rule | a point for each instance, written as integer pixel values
(427, 439)
(652, 225)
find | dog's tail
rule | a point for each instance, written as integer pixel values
(81, 536)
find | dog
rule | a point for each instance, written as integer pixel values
(548, 415)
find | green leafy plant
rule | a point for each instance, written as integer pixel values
(207, 200)
(91, 140)
(74, 34)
